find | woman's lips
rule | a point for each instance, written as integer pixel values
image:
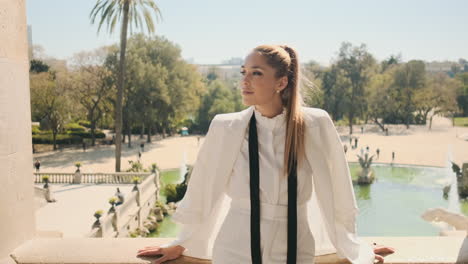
(246, 92)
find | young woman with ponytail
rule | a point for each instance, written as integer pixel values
(271, 183)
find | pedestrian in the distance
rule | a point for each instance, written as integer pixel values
(37, 165)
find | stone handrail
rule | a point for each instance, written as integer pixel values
(414, 250)
(130, 215)
(98, 178)
(54, 177)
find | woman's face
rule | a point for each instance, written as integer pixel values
(259, 83)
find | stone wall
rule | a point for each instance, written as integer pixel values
(16, 190)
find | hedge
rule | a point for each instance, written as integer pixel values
(74, 127)
(84, 123)
(86, 134)
(61, 139)
(36, 130)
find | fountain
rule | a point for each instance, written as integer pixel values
(453, 197)
(183, 167)
(450, 218)
(366, 176)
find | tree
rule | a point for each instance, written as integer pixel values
(311, 84)
(163, 91)
(131, 12)
(38, 66)
(219, 99)
(462, 93)
(93, 85)
(392, 60)
(335, 88)
(49, 101)
(436, 97)
(381, 103)
(357, 65)
(408, 79)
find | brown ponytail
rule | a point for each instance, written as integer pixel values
(284, 59)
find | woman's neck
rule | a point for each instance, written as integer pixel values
(269, 110)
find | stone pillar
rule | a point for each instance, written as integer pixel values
(16, 169)
(77, 177)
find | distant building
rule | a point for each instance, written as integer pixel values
(234, 61)
(222, 71)
(436, 66)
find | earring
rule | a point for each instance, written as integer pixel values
(277, 91)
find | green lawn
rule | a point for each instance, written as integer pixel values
(170, 176)
(461, 121)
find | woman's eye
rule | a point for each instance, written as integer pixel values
(242, 72)
(257, 73)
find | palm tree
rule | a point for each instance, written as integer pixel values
(131, 13)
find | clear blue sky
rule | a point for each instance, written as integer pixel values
(214, 30)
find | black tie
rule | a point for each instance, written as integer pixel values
(256, 252)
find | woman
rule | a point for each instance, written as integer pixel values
(271, 183)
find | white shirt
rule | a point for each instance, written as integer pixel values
(273, 185)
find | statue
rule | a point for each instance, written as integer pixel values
(366, 175)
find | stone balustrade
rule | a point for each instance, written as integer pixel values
(98, 178)
(417, 250)
(131, 214)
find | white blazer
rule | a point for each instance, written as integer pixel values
(332, 210)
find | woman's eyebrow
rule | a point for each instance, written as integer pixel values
(253, 67)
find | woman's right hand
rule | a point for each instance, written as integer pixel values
(164, 254)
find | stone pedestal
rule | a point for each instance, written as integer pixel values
(77, 178)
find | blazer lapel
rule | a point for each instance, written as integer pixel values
(232, 138)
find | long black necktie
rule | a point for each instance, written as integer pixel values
(256, 252)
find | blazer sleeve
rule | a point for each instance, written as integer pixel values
(204, 205)
(347, 243)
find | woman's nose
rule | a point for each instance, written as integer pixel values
(245, 80)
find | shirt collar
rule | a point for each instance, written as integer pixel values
(273, 123)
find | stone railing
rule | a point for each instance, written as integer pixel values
(130, 215)
(98, 178)
(414, 250)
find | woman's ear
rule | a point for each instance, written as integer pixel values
(282, 83)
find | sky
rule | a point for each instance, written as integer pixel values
(211, 31)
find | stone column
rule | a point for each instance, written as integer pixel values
(16, 169)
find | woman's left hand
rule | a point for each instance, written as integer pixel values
(381, 251)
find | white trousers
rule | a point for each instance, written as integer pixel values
(232, 245)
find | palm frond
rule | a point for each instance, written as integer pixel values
(107, 14)
(112, 24)
(155, 8)
(96, 9)
(101, 7)
(111, 11)
(148, 20)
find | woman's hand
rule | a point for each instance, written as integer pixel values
(381, 251)
(164, 254)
